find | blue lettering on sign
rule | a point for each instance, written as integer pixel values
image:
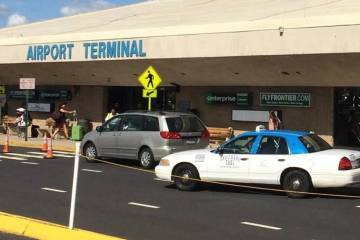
(125, 48)
(92, 50)
(111, 49)
(86, 46)
(55, 52)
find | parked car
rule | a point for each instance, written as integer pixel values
(145, 136)
(298, 161)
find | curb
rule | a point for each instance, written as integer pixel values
(32, 228)
(38, 145)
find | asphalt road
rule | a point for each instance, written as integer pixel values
(110, 198)
(12, 237)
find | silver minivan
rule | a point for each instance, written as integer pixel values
(145, 136)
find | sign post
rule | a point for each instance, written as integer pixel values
(2, 100)
(2, 103)
(27, 84)
(150, 80)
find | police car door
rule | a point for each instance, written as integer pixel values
(270, 160)
(231, 161)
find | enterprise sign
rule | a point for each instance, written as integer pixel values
(90, 50)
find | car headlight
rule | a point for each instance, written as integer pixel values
(164, 162)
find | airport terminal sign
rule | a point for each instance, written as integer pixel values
(285, 99)
(89, 51)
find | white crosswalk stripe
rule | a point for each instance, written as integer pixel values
(37, 155)
(61, 152)
(12, 158)
(30, 163)
(23, 155)
(56, 155)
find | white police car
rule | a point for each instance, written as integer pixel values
(298, 161)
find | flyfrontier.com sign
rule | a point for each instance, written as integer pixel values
(285, 99)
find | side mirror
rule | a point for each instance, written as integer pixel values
(99, 128)
(220, 150)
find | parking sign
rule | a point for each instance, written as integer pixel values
(27, 83)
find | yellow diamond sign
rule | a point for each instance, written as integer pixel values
(150, 79)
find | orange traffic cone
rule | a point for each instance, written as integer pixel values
(45, 145)
(6, 144)
(49, 152)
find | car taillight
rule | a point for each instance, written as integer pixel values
(205, 134)
(170, 135)
(345, 164)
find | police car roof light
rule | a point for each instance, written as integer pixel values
(260, 128)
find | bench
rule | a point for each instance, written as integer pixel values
(219, 135)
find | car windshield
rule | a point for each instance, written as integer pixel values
(314, 143)
(184, 123)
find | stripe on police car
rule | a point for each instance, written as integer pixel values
(261, 225)
(143, 205)
(90, 170)
(53, 190)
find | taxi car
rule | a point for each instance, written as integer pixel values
(298, 161)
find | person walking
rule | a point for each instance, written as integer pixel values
(20, 122)
(274, 121)
(59, 117)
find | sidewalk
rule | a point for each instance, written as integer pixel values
(57, 144)
(36, 229)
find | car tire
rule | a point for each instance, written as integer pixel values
(185, 171)
(90, 152)
(146, 158)
(297, 180)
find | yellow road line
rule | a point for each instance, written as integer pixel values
(32, 228)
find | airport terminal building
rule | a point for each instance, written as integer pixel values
(230, 62)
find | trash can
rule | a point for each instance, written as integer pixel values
(77, 133)
(85, 124)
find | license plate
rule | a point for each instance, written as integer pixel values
(191, 141)
(356, 164)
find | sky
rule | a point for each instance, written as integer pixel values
(17, 12)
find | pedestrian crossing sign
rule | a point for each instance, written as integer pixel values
(150, 79)
(149, 93)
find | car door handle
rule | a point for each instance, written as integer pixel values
(244, 159)
(281, 160)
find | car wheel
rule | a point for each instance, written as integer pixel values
(186, 173)
(146, 158)
(297, 180)
(90, 152)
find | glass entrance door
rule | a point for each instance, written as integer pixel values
(130, 98)
(347, 117)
